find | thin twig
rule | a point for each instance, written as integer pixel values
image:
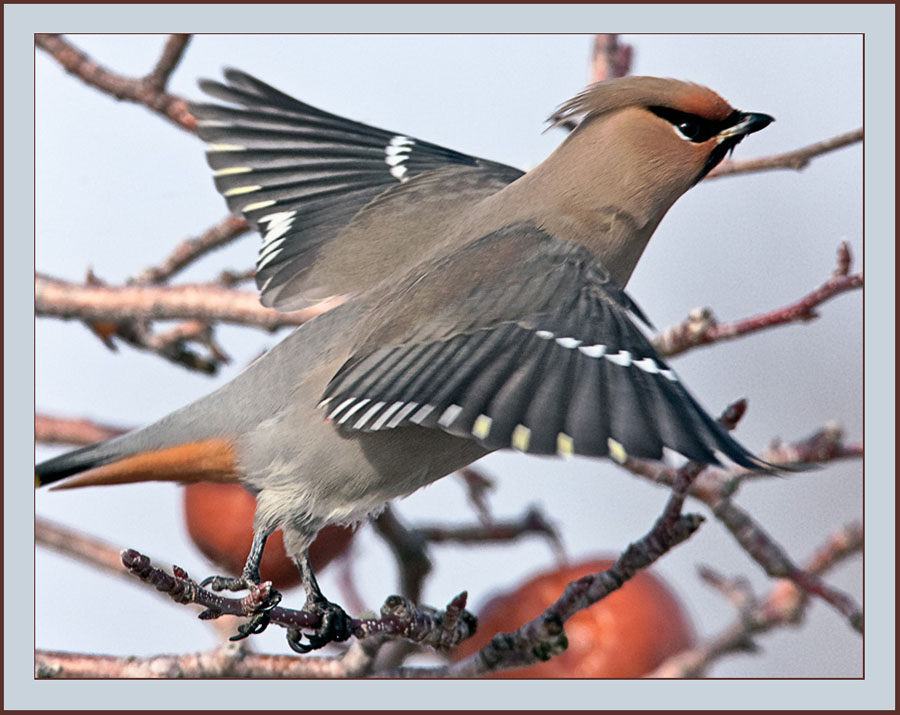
(717, 487)
(477, 486)
(172, 345)
(610, 58)
(410, 550)
(84, 548)
(168, 61)
(826, 444)
(133, 89)
(191, 249)
(532, 521)
(796, 160)
(231, 278)
(701, 327)
(786, 604)
(60, 430)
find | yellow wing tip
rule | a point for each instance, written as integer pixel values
(616, 451)
(565, 445)
(521, 437)
(482, 427)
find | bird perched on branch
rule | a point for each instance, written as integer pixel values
(485, 310)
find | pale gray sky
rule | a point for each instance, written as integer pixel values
(117, 187)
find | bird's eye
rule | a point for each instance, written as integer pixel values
(689, 126)
(689, 129)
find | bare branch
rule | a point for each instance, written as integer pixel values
(168, 61)
(141, 90)
(532, 522)
(173, 345)
(477, 485)
(786, 604)
(824, 445)
(84, 548)
(192, 249)
(796, 160)
(543, 637)
(717, 487)
(96, 553)
(231, 660)
(409, 549)
(736, 590)
(610, 58)
(62, 299)
(701, 327)
(410, 544)
(59, 430)
(232, 278)
(400, 619)
(763, 549)
(840, 546)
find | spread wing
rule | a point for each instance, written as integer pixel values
(525, 343)
(299, 174)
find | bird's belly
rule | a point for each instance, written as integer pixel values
(324, 475)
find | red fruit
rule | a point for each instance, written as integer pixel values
(626, 635)
(220, 521)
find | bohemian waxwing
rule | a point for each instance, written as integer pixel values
(485, 309)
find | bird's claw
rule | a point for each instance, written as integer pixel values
(228, 583)
(260, 616)
(256, 624)
(334, 627)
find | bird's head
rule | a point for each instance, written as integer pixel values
(679, 130)
(637, 145)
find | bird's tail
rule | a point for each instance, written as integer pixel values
(122, 461)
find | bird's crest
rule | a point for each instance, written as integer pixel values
(619, 93)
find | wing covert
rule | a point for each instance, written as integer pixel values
(547, 361)
(299, 174)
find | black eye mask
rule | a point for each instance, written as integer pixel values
(693, 128)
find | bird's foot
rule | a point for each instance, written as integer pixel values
(260, 616)
(334, 626)
(229, 583)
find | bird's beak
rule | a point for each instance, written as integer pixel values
(749, 123)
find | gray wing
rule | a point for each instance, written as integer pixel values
(542, 356)
(299, 174)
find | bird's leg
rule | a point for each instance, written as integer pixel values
(249, 579)
(249, 576)
(335, 623)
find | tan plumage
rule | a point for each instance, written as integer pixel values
(622, 92)
(486, 308)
